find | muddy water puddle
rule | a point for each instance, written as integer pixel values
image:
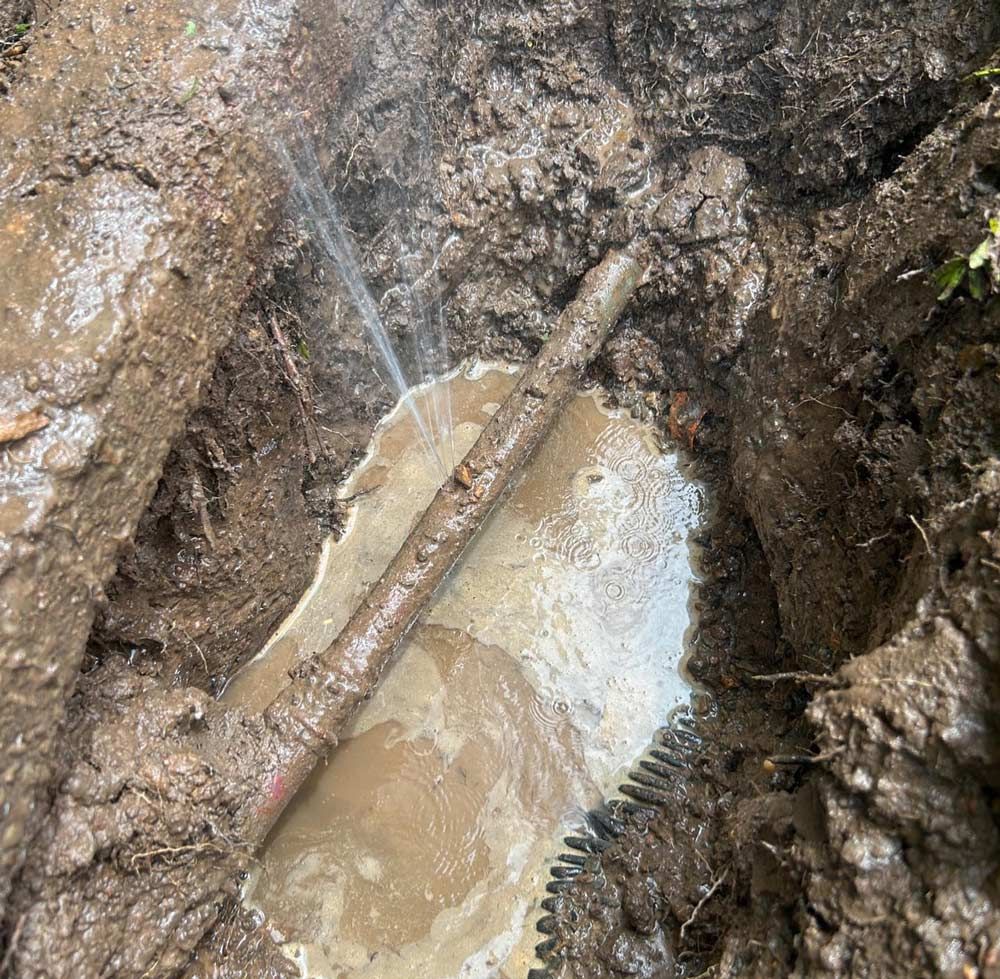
(421, 848)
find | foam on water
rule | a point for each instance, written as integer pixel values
(420, 850)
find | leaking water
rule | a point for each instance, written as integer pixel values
(426, 327)
(420, 850)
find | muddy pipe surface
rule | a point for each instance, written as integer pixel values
(327, 688)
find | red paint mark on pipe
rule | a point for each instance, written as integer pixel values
(277, 789)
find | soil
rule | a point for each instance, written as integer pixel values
(13, 13)
(800, 169)
(189, 594)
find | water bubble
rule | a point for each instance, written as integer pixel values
(580, 553)
(548, 711)
(640, 547)
(630, 470)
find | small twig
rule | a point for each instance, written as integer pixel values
(194, 643)
(187, 848)
(339, 435)
(217, 453)
(357, 496)
(923, 533)
(805, 759)
(874, 540)
(912, 273)
(306, 405)
(697, 908)
(151, 971)
(200, 501)
(825, 404)
(797, 676)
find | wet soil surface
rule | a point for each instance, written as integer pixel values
(189, 594)
(802, 169)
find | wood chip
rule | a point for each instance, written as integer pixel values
(12, 429)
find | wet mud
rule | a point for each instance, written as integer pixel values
(800, 171)
(124, 269)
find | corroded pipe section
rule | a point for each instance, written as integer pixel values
(307, 716)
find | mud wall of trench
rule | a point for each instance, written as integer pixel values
(800, 172)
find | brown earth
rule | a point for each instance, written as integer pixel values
(868, 465)
(99, 268)
(803, 168)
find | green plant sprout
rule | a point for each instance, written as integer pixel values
(987, 72)
(977, 270)
(192, 91)
(190, 29)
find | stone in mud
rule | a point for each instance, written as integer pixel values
(626, 955)
(708, 203)
(633, 359)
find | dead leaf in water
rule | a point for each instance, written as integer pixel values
(685, 418)
(12, 429)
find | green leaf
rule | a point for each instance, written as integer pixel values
(981, 255)
(190, 29)
(949, 277)
(303, 348)
(995, 226)
(977, 284)
(21, 29)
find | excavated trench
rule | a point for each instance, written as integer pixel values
(829, 805)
